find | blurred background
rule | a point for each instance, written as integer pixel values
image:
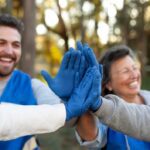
(51, 27)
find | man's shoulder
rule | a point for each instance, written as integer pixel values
(36, 82)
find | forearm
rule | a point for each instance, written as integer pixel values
(131, 119)
(90, 132)
(86, 127)
(18, 120)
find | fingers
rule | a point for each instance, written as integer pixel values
(76, 80)
(47, 77)
(88, 53)
(94, 93)
(65, 60)
(82, 67)
(87, 80)
(79, 46)
(91, 58)
(77, 61)
(72, 58)
(74, 61)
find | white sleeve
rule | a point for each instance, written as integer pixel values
(19, 120)
(43, 94)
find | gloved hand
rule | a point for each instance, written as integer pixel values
(97, 102)
(92, 61)
(88, 53)
(83, 95)
(63, 83)
(90, 56)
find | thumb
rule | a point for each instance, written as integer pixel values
(47, 77)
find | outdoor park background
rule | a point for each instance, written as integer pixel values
(51, 27)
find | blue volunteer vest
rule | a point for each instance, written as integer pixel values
(19, 91)
(117, 141)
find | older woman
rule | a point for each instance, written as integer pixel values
(121, 77)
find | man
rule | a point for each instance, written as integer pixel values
(17, 87)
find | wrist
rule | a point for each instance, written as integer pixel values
(86, 127)
(96, 105)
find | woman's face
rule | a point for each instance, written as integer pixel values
(125, 77)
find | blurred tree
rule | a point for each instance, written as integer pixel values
(21, 9)
(132, 23)
(28, 41)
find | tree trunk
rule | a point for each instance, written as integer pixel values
(28, 41)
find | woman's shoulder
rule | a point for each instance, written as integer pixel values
(146, 95)
(145, 92)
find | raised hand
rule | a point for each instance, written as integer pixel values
(89, 55)
(91, 61)
(95, 95)
(63, 83)
(84, 95)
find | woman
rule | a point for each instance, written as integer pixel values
(121, 77)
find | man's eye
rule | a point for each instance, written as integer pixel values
(16, 45)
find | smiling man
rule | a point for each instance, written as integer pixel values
(10, 50)
(19, 88)
(16, 86)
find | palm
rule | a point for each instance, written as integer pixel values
(63, 83)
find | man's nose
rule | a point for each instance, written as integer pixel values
(9, 49)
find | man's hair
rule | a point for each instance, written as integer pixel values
(10, 21)
(111, 55)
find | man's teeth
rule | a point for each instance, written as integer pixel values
(6, 59)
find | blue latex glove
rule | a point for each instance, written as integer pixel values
(97, 102)
(92, 61)
(83, 63)
(79, 101)
(63, 83)
(90, 56)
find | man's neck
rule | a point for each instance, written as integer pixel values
(5, 78)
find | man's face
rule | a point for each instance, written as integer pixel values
(10, 50)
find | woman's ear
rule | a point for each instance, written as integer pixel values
(108, 86)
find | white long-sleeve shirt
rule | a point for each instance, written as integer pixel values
(19, 120)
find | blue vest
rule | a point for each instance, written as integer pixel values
(117, 141)
(19, 91)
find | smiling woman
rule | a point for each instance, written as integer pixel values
(121, 77)
(122, 74)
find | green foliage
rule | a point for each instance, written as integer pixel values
(146, 82)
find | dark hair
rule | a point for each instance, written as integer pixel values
(110, 56)
(10, 21)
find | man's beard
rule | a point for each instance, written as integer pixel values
(7, 73)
